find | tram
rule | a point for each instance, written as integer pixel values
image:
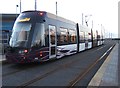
(41, 36)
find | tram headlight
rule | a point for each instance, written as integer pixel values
(23, 51)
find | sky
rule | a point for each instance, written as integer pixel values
(103, 13)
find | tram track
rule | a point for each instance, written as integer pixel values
(47, 74)
(16, 71)
(11, 73)
(71, 83)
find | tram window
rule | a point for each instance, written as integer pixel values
(72, 35)
(98, 37)
(82, 38)
(89, 37)
(52, 34)
(86, 36)
(94, 36)
(64, 38)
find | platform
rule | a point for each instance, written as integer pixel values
(107, 75)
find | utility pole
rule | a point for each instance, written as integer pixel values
(82, 19)
(16, 9)
(111, 35)
(102, 31)
(92, 24)
(56, 8)
(86, 20)
(35, 5)
(20, 6)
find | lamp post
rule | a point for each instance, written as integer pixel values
(86, 20)
(82, 19)
(104, 32)
(92, 24)
(20, 6)
(56, 8)
(16, 10)
(35, 4)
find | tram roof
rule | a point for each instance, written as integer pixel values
(53, 16)
(50, 15)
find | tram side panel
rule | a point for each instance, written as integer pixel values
(66, 37)
(94, 37)
(99, 35)
(85, 39)
(97, 38)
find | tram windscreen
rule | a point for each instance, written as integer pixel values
(20, 34)
(38, 39)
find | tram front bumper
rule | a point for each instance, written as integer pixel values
(20, 58)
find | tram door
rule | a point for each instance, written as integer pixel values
(52, 42)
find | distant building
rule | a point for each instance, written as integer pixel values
(7, 23)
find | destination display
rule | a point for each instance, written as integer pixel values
(24, 20)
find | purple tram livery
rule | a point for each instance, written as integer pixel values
(41, 36)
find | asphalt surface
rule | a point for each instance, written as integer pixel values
(60, 72)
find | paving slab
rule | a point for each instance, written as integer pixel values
(107, 75)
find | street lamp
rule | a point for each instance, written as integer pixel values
(82, 19)
(56, 8)
(35, 4)
(20, 6)
(86, 20)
